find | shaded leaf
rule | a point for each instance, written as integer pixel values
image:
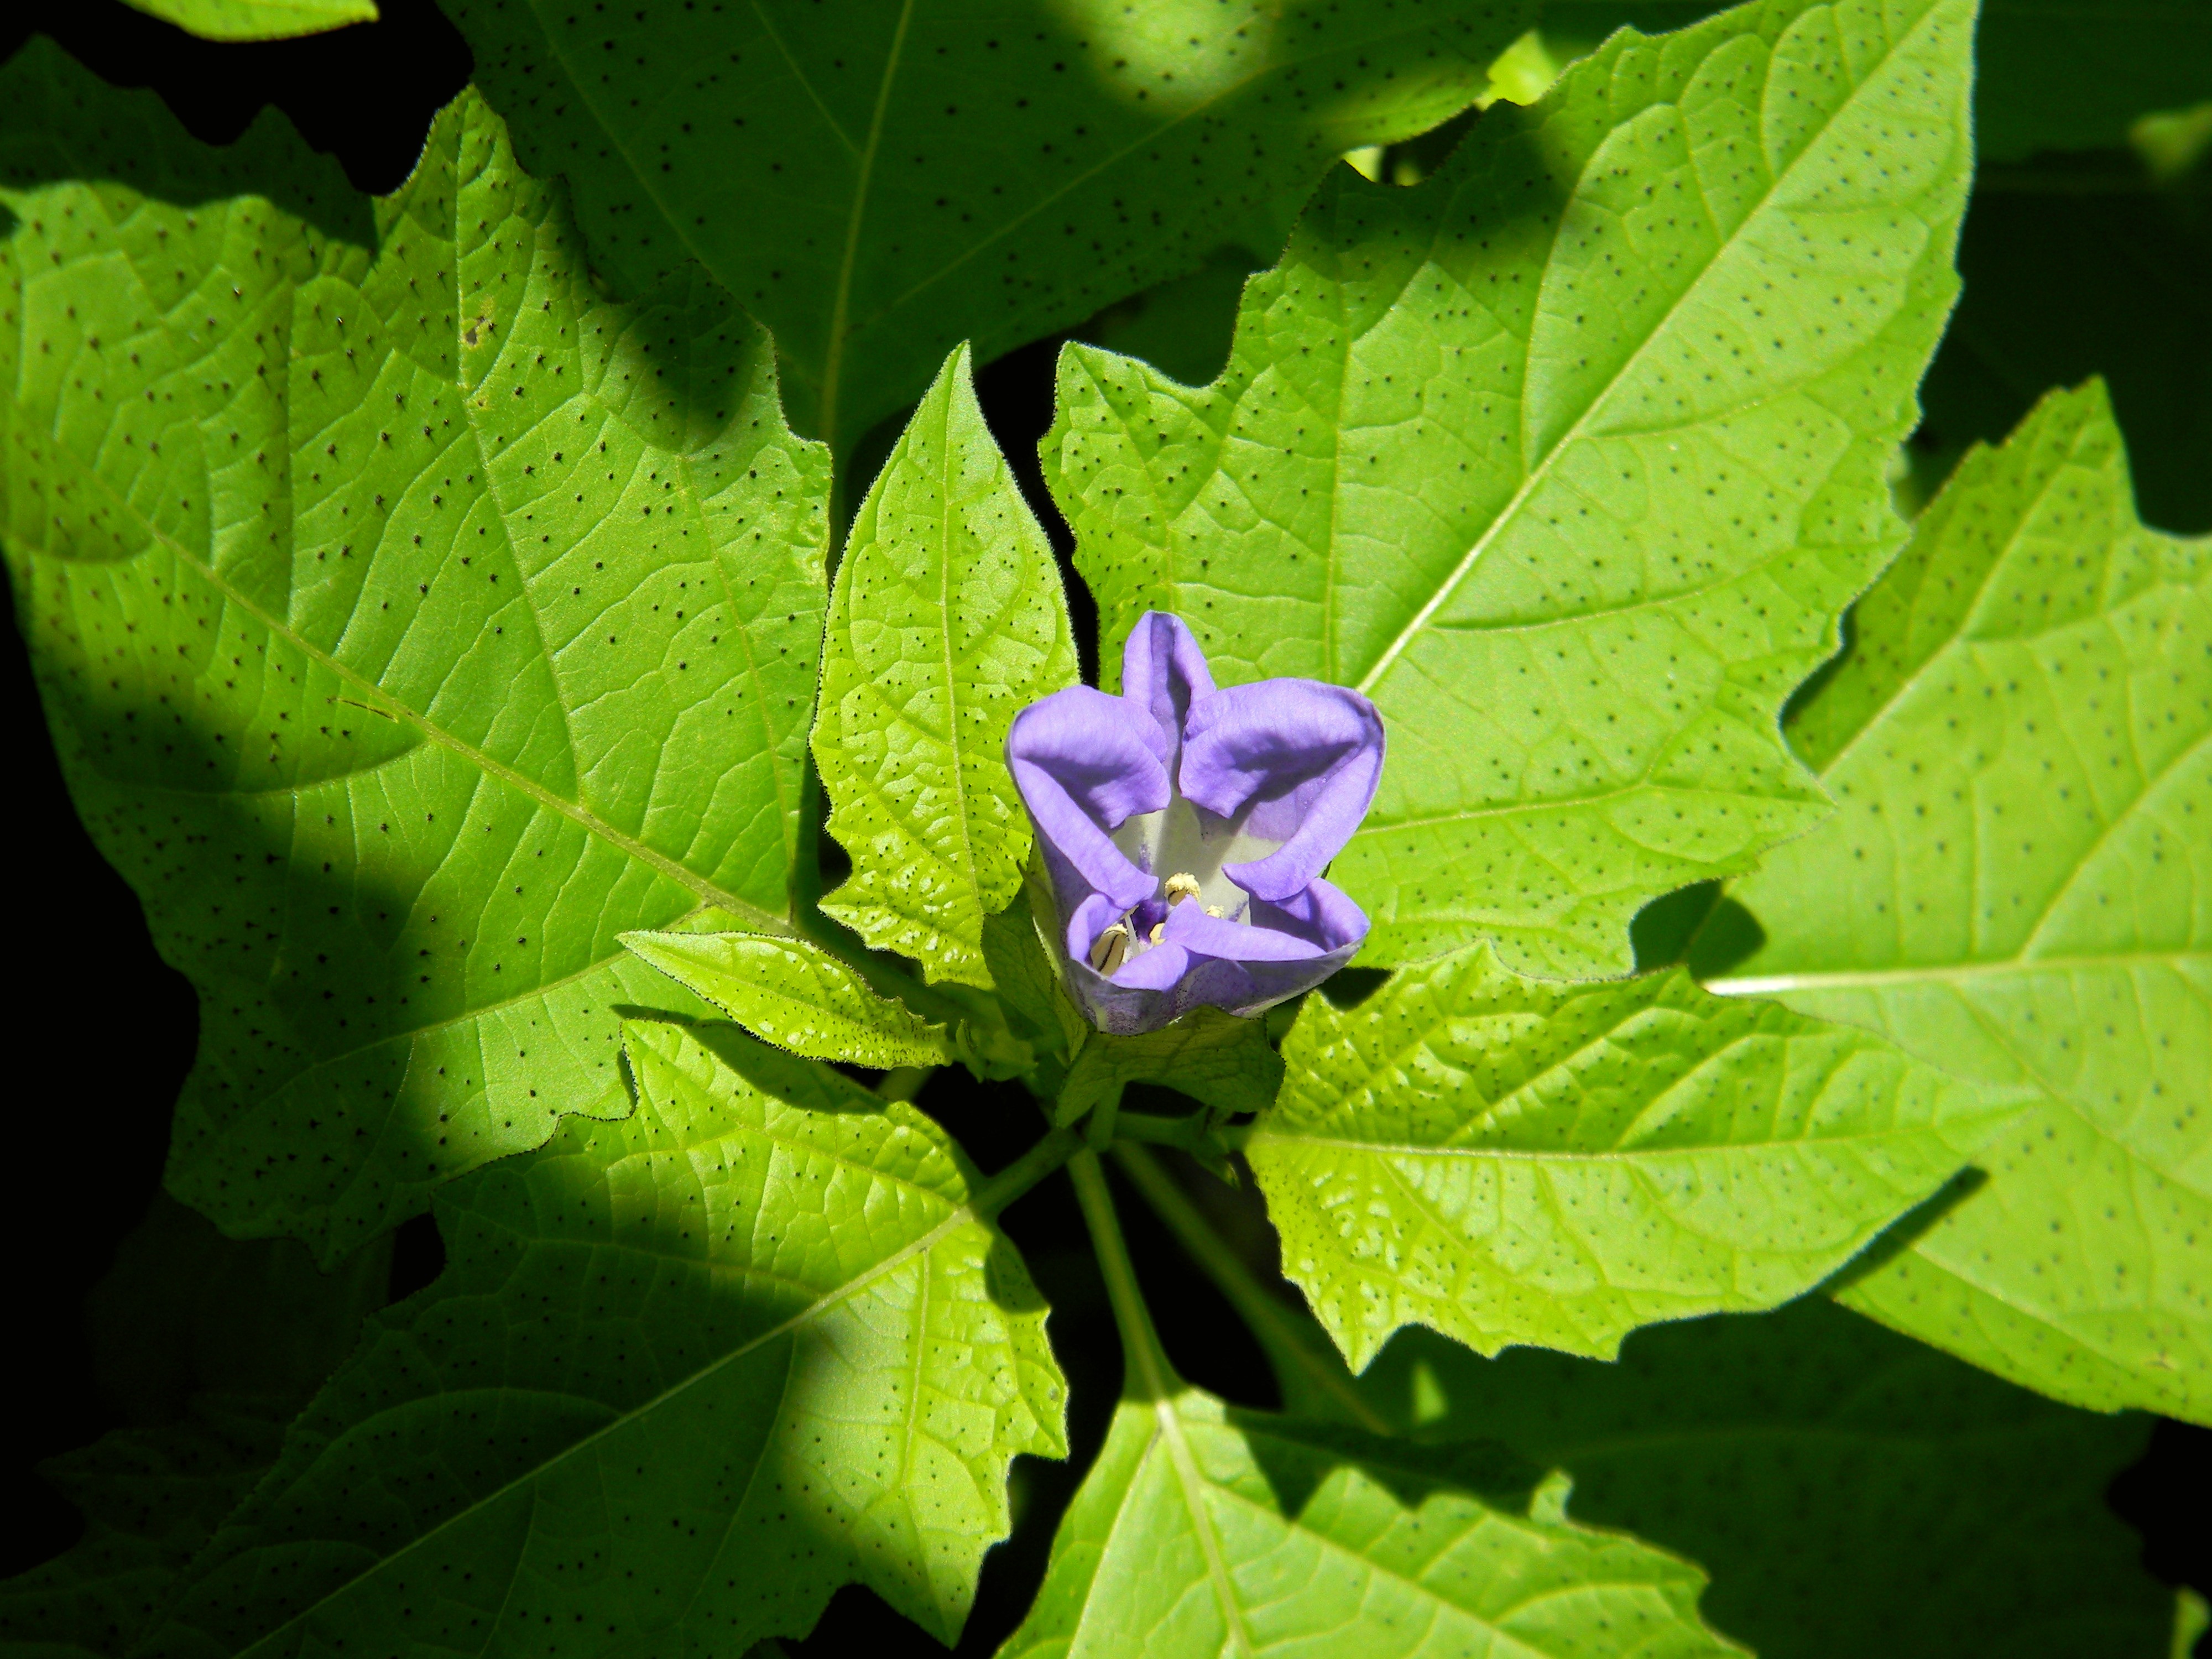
(939, 173)
(1215, 1058)
(684, 1376)
(2018, 887)
(947, 620)
(1203, 1530)
(795, 995)
(1851, 1492)
(1569, 457)
(1508, 1161)
(1026, 973)
(257, 20)
(410, 621)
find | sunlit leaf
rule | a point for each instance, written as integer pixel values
(1569, 457)
(410, 620)
(1509, 1161)
(257, 20)
(946, 622)
(2019, 888)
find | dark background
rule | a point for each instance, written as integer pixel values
(119, 1026)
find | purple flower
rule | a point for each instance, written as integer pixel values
(1185, 831)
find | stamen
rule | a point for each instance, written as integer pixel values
(1215, 911)
(1180, 887)
(1158, 928)
(1111, 949)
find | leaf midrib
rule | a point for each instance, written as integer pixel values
(1776, 985)
(1573, 435)
(389, 706)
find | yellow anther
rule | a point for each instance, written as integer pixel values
(1158, 928)
(1215, 911)
(1111, 949)
(1180, 887)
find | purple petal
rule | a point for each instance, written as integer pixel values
(1164, 671)
(1201, 935)
(1298, 759)
(1319, 913)
(1086, 762)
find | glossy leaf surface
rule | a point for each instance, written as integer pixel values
(684, 1376)
(937, 173)
(1569, 457)
(2019, 887)
(1851, 1492)
(946, 622)
(1510, 1161)
(796, 996)
(410, 620)
(1203, 1530)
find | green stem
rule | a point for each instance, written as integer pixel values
(1289, 1346)
(1151, 1376)
(1024, 1172)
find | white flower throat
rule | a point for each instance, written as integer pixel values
(1191, 846)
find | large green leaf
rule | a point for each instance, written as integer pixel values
(410, 620)
(2019, 888)
(1207, 1055)
(1508, 1161)
(257, 20)
(684, 1376)
(1569, 457)
(2051, 75)
(1204, 1531)
(796, 996)
(879, 181)
(946, 622)
(1851, 1492)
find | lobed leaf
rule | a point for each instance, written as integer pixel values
(257, 20)
(684, 1376)
(1507, 1161)
(2019, 888)
(1206, 1530)
(937, 173)
(1850, 1492)
(411, 621)
(796, 996)
(1569, 457)
(946, 621)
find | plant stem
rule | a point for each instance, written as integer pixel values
(1026, 1171)
(1290, 1348)
(1150, 1375)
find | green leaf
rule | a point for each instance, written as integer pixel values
(2050, 75)
(880, 183)
(411, 621)
(1203, 1530)
(151, 1498)
(207, 1346)
(1851, 1492)
(947, 620)
(257, 20)
(684, 1376)
(1025, 971)
(1569, 457)
(1215, 1058)
(1508, 1161)
(796, 996)
(2019, 888)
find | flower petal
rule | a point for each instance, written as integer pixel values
(1085, 762)
(1296, 761)
(1164, 671)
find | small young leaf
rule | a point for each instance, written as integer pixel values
(411, 621)
(946, 622)
(1508, 1161)
(1212, 1056)
(750, 1344)
(1569, 457)
(1204, 1531)
(2019, 888)
(1851, 1492)
(257, 20)
(795, 995)
(879, 182)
